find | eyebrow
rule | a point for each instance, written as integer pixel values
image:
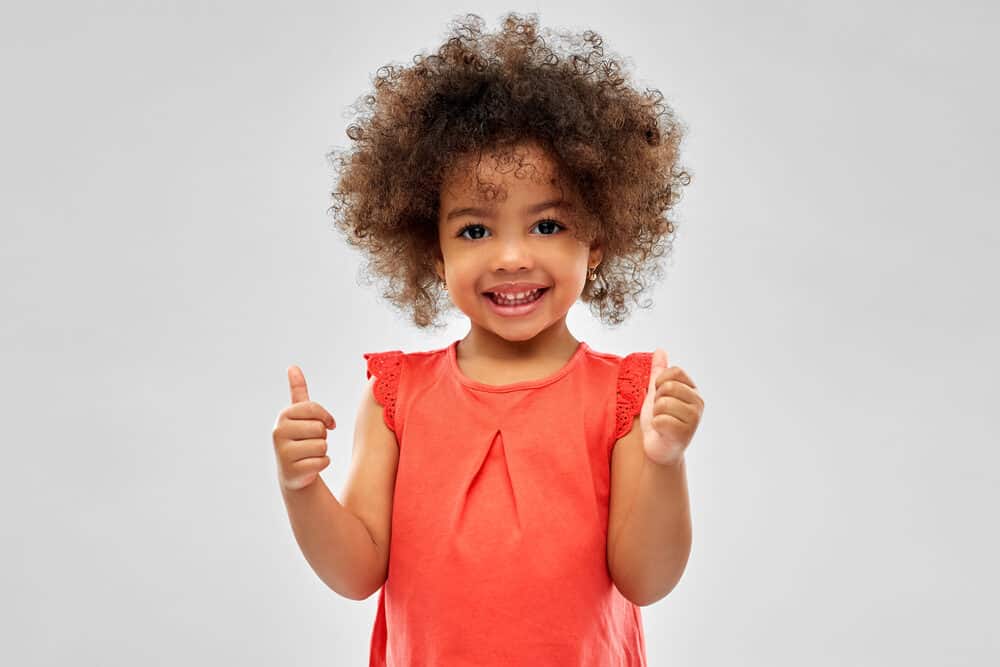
(488, 213)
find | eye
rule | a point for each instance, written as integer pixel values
(550, 224)
(548, 227)
(467, 228)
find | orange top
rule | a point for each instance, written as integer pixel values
(498, 552)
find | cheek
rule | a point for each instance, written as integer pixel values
(463, 271)
(573, 267)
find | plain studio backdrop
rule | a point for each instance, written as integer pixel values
(166, 255)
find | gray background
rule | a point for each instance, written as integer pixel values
(166, 255)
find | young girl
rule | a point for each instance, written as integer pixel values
(514, 496)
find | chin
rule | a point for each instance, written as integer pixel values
(518, 337)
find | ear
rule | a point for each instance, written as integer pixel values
(439, 269)
(596, 254)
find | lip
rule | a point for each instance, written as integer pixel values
(519, 310)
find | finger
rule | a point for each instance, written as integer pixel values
(681, 392)
(305, 449)
(676, 373)
(673, 407)
(302, 429)
(297, 384)
(311, 464)
(309, 411)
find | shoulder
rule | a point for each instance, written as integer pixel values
(393, 367)
(397, 359)
(628, 375)
(622, 366)
(393, 373)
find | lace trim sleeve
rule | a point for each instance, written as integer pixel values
(633, 381)
(385, 367)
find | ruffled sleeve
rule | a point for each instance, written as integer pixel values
(385, 366)
(633, 381)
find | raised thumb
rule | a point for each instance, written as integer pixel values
(297, 384)
(659, 362)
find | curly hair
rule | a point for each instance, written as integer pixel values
(482, 92)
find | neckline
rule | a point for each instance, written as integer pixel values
(513, 386)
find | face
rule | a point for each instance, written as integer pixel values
(518, 242)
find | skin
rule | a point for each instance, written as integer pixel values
(511, 244)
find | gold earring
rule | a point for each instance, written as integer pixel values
(593, 274)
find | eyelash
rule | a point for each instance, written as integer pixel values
(559, 225)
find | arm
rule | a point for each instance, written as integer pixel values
(333, 540)
(347, 545)
(649, 521)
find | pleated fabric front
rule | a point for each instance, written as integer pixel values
(498, 552)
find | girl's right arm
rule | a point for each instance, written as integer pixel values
(346, 544)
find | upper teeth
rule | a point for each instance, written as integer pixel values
(517, 295)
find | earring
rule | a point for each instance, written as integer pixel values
(593, 274)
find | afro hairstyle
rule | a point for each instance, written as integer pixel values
(487, 92)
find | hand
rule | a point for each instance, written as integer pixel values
(300, 436)
(670, 413)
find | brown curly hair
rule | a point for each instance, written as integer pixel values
(482, 92)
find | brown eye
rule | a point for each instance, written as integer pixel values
(462, 231)
(550, 224)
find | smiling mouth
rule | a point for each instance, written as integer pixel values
(529, 297)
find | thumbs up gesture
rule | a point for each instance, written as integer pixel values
(670, 413)
(300, 436)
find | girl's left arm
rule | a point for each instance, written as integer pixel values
(649, 524)
(649, 520)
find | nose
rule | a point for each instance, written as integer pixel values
(512, 255)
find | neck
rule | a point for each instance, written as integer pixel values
(554, 342)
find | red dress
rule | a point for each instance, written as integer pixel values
(498, 552)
